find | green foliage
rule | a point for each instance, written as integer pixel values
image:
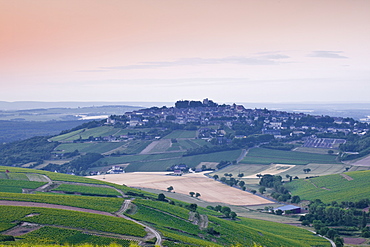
(332, 187)
(106, 204)
(164, 220)
(82, 220)
(34, 149)
(16, 186)
(54, 235)
(20, 130)
(356, 144)
(77, 166)
(85, 221)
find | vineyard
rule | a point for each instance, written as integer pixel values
(333, 187)
(106, 204)
(87, 190)
(16, 186)
(268, 156)
(60, 236)
(62, 226)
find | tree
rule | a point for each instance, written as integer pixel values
(169, 189)
(215, 177)
(240, 175)
(226, 211)
(191, 193)
(197, 195)
(233, 215)
(296, 199)
(262, 189)
(279, 212)
(241, 183)
(193, 207)
(161, 197)
(253, 191)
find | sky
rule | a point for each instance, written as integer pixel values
(166, 50)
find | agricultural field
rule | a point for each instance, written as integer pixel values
(351, 187)
(210, 190)
(158, 163)
(268, 156)
(91, 147)
(314, 150)
(16, 186)
(106, 204)
(87, 190)
(60, 236)
(68, 218)
(230, 231)
(183, 145)
(181, 134)
(74, 135)
(171, 220)
(251, 170)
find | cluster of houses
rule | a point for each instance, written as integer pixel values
(274, 122)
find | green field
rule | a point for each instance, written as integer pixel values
(333, 187)
(90, 147)
(73, 219)
(74, 135)
(16, 186)
(151, 164)
(268, 156)
(60, 236)
(87, 190)
(106, 204)
(171, 220)
(231, 232)
(181, 134)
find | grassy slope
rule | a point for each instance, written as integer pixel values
(165, 217)
(333, 187)
(243, 231)
(268, 156)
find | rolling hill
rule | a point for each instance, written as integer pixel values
(63, 209)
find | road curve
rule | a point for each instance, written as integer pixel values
(124, 207)
(46, 205)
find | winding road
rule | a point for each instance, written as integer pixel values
(119, 213)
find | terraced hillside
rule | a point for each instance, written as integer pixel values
(349, 186)
(124, 215)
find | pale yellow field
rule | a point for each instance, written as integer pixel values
(210, 190)
(273, 170)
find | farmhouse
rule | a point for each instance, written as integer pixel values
(293, 209)
(116, 170)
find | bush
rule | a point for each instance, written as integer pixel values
(6, 238)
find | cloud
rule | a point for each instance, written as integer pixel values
(327, 54)
(269, 59)
(92, 70)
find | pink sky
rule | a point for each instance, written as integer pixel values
(165, 50)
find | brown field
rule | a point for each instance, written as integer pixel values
(210, 190)
(361, 162)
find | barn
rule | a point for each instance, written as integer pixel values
(293, 209)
